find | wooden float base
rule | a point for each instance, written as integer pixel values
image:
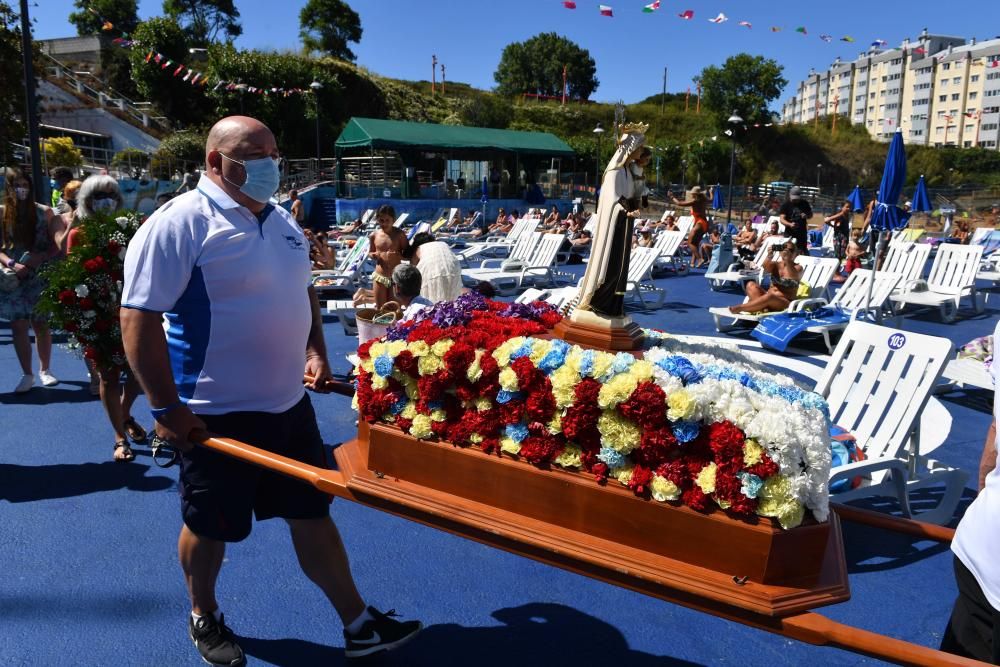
(717, 560)
(591, 330)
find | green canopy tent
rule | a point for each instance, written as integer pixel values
(366, 135)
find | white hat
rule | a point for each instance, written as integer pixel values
(908, 204)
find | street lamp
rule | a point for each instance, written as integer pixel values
(316, 85)
(597, 162)
(733, 121)
(819, 170)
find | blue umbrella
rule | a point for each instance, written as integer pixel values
(717, 202)
(887, 216)
(921, 202)
(857, 199)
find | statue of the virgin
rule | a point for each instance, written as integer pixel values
(602, 290)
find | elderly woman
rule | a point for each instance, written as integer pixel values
(100, 194)
(25, 245)
(439, 268)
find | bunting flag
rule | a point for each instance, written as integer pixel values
(180, 68)
(651, 7)
(200, 79)
(606, 10)
(148, 56)
(721, 18)
(879, 43)
(687, 15)
(826, 38)
(775, 28)
(108, 26)
(746, 24)
(166, 63)
(847, 38)
(994, 63)
(920, 51)
(802, 29)
(569, 4)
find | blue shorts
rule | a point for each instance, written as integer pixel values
(219, 493)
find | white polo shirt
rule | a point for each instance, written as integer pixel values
(977, 540)
(233, 291)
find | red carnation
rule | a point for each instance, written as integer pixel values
(726, 441)
(364, 347)
(511, 412)
(694, 498)
(526, 373)
(86, 303)
(542, 448)
(114, 247)
(640, 480)
(458, 359)
(69, 326)
(646, 406)
(765, 468)
(407, 363)
(403, 423)
(541, 404)
(490, 445)
(90, 353)
(67, 297)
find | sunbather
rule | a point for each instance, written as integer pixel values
(785, 275)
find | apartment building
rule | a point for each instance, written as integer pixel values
(939, 90)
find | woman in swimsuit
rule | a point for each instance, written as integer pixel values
(785, 278)
(699, 211)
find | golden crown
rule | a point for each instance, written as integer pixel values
(634, 128)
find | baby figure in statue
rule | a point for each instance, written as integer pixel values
(602, 289)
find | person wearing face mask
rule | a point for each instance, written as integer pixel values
(101, 195)
(25, 245)
(230, 272)
(60, 177)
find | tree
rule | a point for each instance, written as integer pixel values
(89, 20)
(176, 153)
(328, 26)
(746, 84)
(205, 20)
(12, 103)
(488, 111)
(60, 152)
(536, 66)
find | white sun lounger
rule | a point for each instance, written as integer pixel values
(952, 276)
(877, 384)
(719, 280)
(668, 246)
(640, 276)
(818, 272)
(537, 270)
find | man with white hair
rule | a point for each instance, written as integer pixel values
(229, 271)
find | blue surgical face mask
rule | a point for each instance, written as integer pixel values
(262, 178)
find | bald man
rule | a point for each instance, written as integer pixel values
(229, 271)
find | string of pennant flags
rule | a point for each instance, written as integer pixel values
(195, 78)
(720, 18)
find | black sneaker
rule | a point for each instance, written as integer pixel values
(216, 643)
(382, 633)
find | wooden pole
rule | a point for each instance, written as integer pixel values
(564, 86)
(836, 105)
(434, 69)
(442, 79)
(698, 108)
(921, 529)
(663, 98)
(687, 99)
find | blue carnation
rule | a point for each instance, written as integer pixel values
(398, 406)
(681, 367)
(555, 357)
(621, 363)
(383, 365)
(750, 484)
(611, 457)
(517, 432)
(587, 363)
(435, 405)
(504, 396)
(523, 351)
(686, 431)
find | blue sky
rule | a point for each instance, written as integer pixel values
(631, 49)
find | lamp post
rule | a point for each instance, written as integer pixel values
(684, 171)
(316, 86)
(31, 111)
(819, 170)
(599, 130)
(733, 121)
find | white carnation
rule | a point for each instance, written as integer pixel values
(81, 291)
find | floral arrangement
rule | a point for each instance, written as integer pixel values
(84, 290)
(687, 423)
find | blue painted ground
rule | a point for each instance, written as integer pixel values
(88, 571)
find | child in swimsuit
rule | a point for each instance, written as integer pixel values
(387, 245)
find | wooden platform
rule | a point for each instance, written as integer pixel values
(606, 532)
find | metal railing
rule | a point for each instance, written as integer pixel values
(139, 112)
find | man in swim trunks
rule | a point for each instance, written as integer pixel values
(387, 246)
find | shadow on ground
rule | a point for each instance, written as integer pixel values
(24, 484)
(532, 634)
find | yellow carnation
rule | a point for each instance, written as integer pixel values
(395, 347)
(618, 433)
(368, 365)
(411, 391)
(379, 382)
(623, 475)
(539, 348)
(475, 370)
(555, 424)
(376, 350)
(775, 499)
(564, 381)
(409, 411)
(483, 404)
(502, 353)
(418, 348)
(508, 379)
(753, 453)
(441, 347)
(421, 427)
(663, 489)
(681, 405)
(602, 364)
(706, 478)
(510, 446)
(570, 457)
(616, 390)
(429, 364)
(475, 438)
(641, 370)
(573, 359)
(438, 415)
(354, 402)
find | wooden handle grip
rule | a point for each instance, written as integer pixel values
(928, 531)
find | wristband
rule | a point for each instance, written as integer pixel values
(11, 263)
(159, 412)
